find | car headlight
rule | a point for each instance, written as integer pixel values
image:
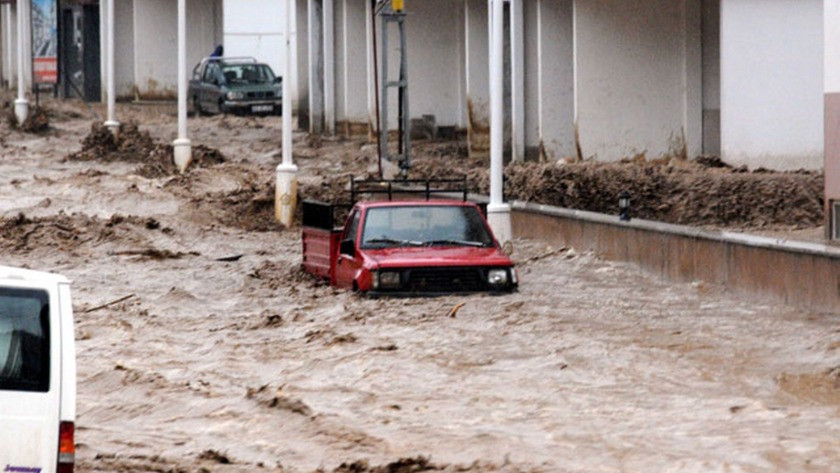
(389, 279)
(235, 95)
(497, 277)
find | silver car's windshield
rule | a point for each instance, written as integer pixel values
(429, 225)
(247, 74)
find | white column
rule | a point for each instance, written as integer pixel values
(285, 194)
(316, 66)
(328, 33)
(9, 52)
(831, 100)
(21, 104)
(111, 123)
(371, 82)
(498, 213)
(182, 146)
(517, 79)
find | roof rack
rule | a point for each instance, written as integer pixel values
(426, 187)
(246, 59)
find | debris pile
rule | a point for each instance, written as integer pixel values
(709, 192)
(135, 146)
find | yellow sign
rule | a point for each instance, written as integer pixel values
(397, 5)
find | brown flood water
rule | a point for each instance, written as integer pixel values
(235, 366)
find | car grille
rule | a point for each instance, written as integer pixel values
(446, 280)
(260, 95)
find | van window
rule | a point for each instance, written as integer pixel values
(24, 340)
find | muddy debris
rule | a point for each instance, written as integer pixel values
(37, 122)
(403, 465)
(277, 399)
(215, 456)
(134, 146)
(64, 232)
(687, 193)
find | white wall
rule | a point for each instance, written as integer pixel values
(772, 83)
(156, 40)
(256, 28)
(434, 35)
(124, 48)
(556, 76)
(634, 63)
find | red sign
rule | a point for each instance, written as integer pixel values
(46, 70)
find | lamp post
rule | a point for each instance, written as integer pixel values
(21, 104)
(285, 193)
(624, 206)
(182, 146)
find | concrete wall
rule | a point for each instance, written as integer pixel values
(124, 49)
(352, 69)
(256, 28)
(772, 83)
(156, 39)
(434, 37)
(711, 77)
(556, 79)
(634, 63)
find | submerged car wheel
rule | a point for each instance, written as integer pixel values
(222, 109)
(197, 111)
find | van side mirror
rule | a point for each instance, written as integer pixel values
(348, 247)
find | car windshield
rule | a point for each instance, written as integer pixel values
(425, 225)
(247, 74)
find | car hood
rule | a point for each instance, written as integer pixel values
(413, 257)
(253, 87)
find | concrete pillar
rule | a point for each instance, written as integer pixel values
(21, 104)
(771, 61)
(111, 123)
(498, 213)
(316, 66)
(328, 31)
(8, 51)
(371, 70)
(302, 62)
(476, 68)
(711, 77)
(285, 199)
(182, 145)
(517, 79)
(831, 100)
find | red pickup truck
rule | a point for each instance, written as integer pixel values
(405, 247)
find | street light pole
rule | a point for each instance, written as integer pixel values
(285, 198)
(21, 104)
(182, 145)
(498, 213)
(111, 123)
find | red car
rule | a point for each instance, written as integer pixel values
(411, 247)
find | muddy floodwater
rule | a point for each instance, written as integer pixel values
(220, 355)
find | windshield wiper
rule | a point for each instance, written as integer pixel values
(391, 241)
(476, 244)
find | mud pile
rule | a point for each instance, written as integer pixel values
(38, 121)
(65, 232)
(708, 193)
(135, 146)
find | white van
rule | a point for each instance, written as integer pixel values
(37, 372)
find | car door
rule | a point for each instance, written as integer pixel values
(30, 376)
(210, 90)
(348, 262)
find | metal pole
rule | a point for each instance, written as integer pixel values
(111, 123)
(383, 130)
(182, 146)
(285, 193)
(21, 104)
(497, 212)
(406, 123)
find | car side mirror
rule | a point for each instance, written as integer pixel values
(348, 247)
(278, 80)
